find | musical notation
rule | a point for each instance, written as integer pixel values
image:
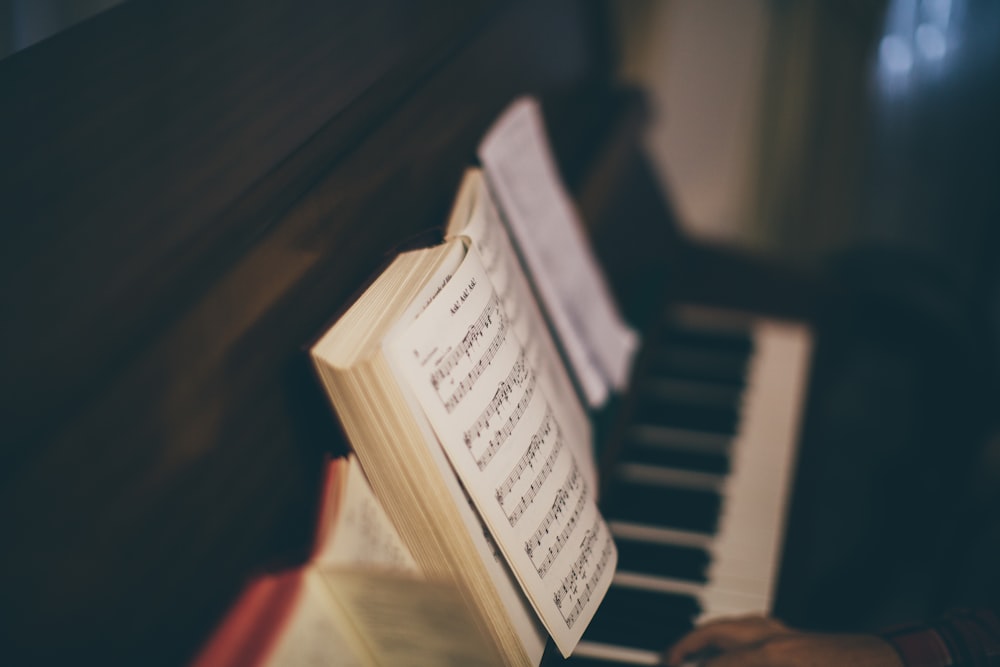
(590, 586)
(507, 436)
(505, 388)
(464, 349)
(475, 331)
(557, 546)
(569, 584)
(526, 461)
(573, 481)
(501, 435)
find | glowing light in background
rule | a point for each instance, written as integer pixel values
(895, 55)
(931, 41)
(918, 36)
(937, 12)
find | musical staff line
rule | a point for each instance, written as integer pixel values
(569, 585)
(501, 435)
(526, 461)
(476, 331)
(518, 374)
(573, 481)
(591, 585)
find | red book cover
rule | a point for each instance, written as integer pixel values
(252, 626)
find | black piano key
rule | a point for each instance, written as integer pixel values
(734, 341)
(663, 560)
(701, 393)
(644, 619)
(701, 354)
(585, 661)
(685, 509)
(693, 364)
(721, 419)
(715, 462)
(581, 661)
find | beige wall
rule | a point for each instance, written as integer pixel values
(702, 63)
(760, 111)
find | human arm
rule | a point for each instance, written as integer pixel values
(758, 642)
(961, 639)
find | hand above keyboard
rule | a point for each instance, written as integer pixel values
(758, 641)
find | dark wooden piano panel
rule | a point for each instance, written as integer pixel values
(189, 191)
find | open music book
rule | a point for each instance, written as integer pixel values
(438, 399)
(453, 394)
(360, 601)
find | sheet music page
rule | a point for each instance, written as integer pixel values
(471, 375)
(363, 534)
(522, 172)
(486, 231)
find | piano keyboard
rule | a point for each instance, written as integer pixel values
(698, 499)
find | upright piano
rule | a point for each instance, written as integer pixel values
(190, 190)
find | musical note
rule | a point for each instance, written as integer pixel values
(573, 482)
(590, 586)
(518, 374)
(568, 585)
(475, 331)
(528, 461)
(501, 435)
(445, 367)
(504, 437)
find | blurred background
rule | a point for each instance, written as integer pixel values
(802, 128)
(857, 141)
(794, 129)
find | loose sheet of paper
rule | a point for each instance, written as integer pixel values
(522, 172)
(471, 375)
(486, 231)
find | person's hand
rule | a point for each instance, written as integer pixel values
(755, 641)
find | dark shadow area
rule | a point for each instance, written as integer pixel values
(27, 22)
(897, 515)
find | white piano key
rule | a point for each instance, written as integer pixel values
(643, 533)
(623, 654)
(649, 582)
(747, 548)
